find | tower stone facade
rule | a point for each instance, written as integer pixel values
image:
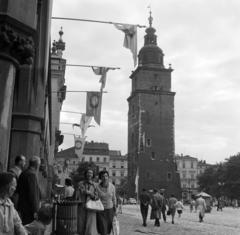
(151, 123)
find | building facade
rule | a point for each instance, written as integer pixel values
(117, 168)
(189, 168)
(151, 122)
(67, 161)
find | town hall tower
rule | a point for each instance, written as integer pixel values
(151, 123)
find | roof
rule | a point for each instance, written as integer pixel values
(95, 145)
(114, 153)
(186, 157)
(112, 157)
(70, 152)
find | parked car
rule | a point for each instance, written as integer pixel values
(132, 201)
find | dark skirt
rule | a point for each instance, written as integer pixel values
(104, 221)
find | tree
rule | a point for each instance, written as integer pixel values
(122, 190)
(78, 174)
(231, 177)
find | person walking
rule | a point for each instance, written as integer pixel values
(29, 192)
(86, 190)
(145, 200)
(69, 190)
(119, 202)
(192, 205)
(179, 207)
(107, 195)
(20, 163)
(171, 205)
(10, 222)
(201, 205)
(164, 208)
(157, 203)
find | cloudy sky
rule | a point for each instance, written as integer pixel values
(201, 39)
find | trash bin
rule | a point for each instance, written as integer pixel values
(66, 218)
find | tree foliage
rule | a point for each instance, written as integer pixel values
(222, 179)
(78, 174)
(122, 190)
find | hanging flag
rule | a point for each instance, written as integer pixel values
(79, 146)
(130, 39)
(94, 105)
(84, 123)
(101, 71)
(136, 181)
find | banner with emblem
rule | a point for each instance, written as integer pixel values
(94, 105)
(79, 146)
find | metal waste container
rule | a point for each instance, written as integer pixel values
(65, 217)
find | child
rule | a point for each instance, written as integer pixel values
(179, 207)
(44, 217)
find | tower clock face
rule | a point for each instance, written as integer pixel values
(155, 79)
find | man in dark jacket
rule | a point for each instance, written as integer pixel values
(164, 207)
(29, 192)
(145, 200)
(20, 163)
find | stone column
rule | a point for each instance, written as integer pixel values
(8, 67)
(14, 50)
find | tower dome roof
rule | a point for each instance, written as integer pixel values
(150, 54)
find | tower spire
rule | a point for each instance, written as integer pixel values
(150, 18)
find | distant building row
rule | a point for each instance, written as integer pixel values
(67, 161)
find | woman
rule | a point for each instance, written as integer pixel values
(86, 190)
(107, 195)
(157, 203)
(179, 206)
(69, 190)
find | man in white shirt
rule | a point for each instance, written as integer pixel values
(69, 190)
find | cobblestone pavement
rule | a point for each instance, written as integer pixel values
(224, 222)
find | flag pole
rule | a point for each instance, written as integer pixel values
(94, 21)
(54, 110)
(81, 65)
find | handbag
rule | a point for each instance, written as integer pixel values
(94, 205)
(115, 226)
(168, 212)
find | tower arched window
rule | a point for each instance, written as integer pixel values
(153, 155)
(133, 109)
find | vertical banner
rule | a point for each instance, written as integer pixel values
(79, 146)
(94, 105)
(136, 180)
(84, 123)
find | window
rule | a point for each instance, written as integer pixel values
(192, 176)
(97, 159)
(73, 162)
(169, 176)
(122, 166)
(184, 175)
(184, 185)
(153, 155)
(122, 173)
(90, 159)
(191, 164)
(105, 159)
(148, 142)
(133, 108)
(114, 173)
(114, 166)
(183, 164)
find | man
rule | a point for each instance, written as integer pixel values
(201, 205)
(171, 205)
(29, 192)
(164, 207)
(144, 204)
(20, 163)
(157, 204)
(10, 223)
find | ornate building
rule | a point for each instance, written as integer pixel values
(151, 122)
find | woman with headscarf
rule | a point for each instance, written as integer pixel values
(85, 191)
(107, 195)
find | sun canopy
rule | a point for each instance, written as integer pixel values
(203, 194)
